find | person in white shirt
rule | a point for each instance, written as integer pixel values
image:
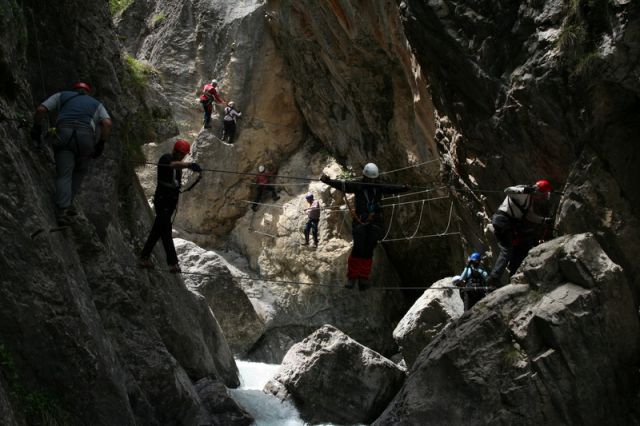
(229, 121)
(516, 207)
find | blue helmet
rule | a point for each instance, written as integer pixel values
(475, 257)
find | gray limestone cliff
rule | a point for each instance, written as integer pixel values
(85, 336)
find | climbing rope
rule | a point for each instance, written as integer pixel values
(410, 167)
(307, 283)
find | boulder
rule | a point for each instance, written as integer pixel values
(544, 350)
(332, 378)
(429, 315)
(207, 274)
(218, 407)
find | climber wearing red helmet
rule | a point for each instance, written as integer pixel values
(516, 209)
(165, 201)
(82, 126)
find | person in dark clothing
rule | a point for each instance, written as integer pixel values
(313, 215)
(368, 222)
(514, 210)
(263, 183)
(81, 130)
(165, 201)
(472, 276)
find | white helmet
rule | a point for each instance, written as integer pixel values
(261, 168)
(231, 104)
(370, 170)
(309, 196)
(214, 82)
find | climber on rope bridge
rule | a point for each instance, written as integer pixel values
(208, 97)
(264, 182)
(367, 224)
(165, 201)
(313, 217)
(512, 213)
(75, 138)
(473, 279)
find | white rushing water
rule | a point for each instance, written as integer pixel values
(266, 409)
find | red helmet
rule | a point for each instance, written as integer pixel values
(82, 85)
(182, 146)
(544, 185)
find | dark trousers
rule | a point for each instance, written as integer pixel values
(162, 230)
(312, 225)
(208, 109)
(503, 230)
(72, 148)
(229, 132)
(265, 188)
(365, 237)
(471, 297)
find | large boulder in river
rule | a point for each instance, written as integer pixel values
(207, 274)
(431, 313)
(558, 346)
(332, 378)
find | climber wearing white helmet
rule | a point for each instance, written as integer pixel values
(263, 183)
(208, 97)
(367, 220)
(229, 121)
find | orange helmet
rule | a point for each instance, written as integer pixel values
(182, 146)
(544, 186)
(82, 85)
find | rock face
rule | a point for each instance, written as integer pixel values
(555, 347)
(95, 339)
(429, 315)
(332, 378)
(207, 274)
(218, 407)
(522, 89)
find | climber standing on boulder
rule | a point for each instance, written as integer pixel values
(473, 279)
(313, 217)
(209, 96)
(229, 122)
(367, 221)
(516, 208)
(165, 202)
(81, 129)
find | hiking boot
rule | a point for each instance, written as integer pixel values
(145, 263)
(351, 283)
(315, 244)
(306, 243)
(63, 218)
(363, 284)
(175, 269)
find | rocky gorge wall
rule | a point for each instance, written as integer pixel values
(86, 337)
(496, 93)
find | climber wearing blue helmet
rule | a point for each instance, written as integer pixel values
(473, 278)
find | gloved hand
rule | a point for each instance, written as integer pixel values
(36, 132)
(324, 178)
(529, 189)
(195, 167)
(98, 149)
(547, 220)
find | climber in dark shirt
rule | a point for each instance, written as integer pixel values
(367, 222)
(165, 201)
